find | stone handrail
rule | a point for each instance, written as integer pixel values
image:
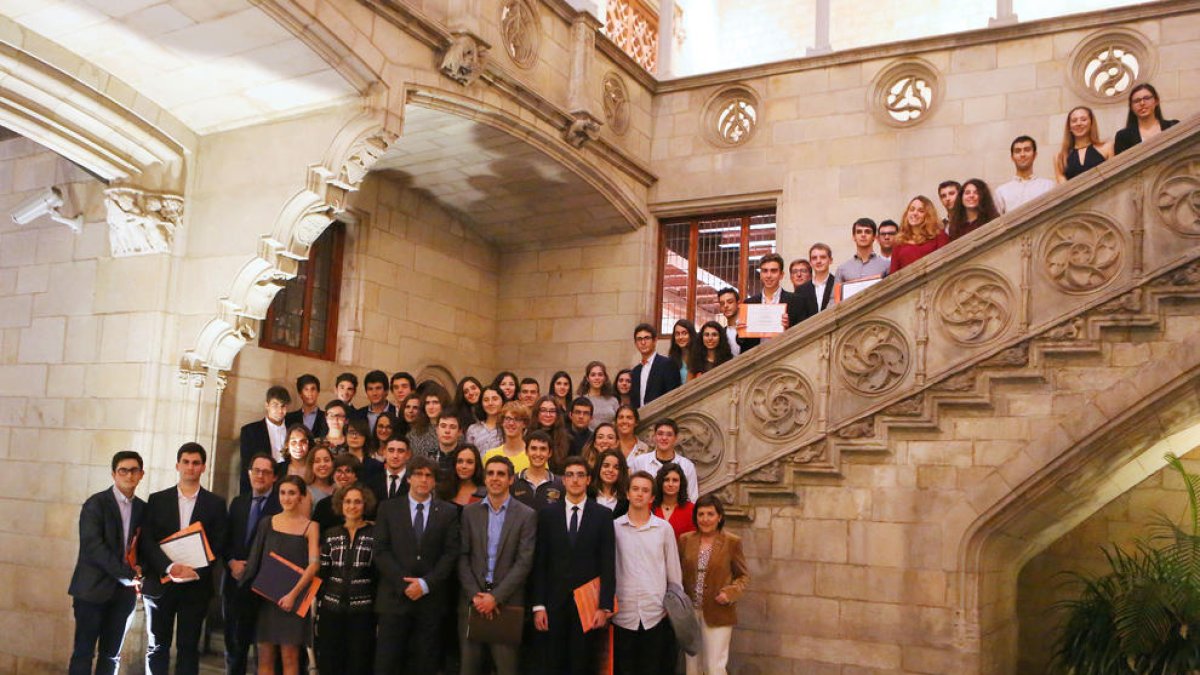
(818, 389)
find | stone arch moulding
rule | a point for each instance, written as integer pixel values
(355, 148)
(142, 164)
(550, 144)
(1064, 475)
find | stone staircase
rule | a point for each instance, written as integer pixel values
(1049, 286)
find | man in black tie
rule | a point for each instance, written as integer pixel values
(239, 605)
(571, 551)
(393, 480)
(104, 584)
(416, 551)
(184, 597)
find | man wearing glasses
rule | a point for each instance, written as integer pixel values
(106, 579)
(239, 605)
(655, 375)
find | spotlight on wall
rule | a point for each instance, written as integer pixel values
(48, 202)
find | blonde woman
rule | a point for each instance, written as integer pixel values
(1082, 148)
(920, 233)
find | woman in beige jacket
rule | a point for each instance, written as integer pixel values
(714, 576)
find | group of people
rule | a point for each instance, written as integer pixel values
(432, 514)
(449, 534)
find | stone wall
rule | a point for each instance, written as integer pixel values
(1042, 581)
(820, 144)
(73, 378)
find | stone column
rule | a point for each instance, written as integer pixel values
(666, 38)
(821, 30)
(1005, 16)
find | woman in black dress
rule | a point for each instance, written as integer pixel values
(1082, 148)
(1145, 119)
(294, 537)
(346, 622)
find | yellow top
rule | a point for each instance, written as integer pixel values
(520, 462)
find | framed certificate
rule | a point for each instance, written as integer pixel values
(761, 321)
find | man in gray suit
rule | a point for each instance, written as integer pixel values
(498, 538)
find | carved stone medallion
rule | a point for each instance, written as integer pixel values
(1177, 196)
(975, 305)
(701, 441)
(616, 103)
(874, 357)
(520, 31)
(780, 404)
(1082, 253)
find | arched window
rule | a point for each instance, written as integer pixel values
(303, 316)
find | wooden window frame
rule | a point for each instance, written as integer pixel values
(693, 222)
(337, 230)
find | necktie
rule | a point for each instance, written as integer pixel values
(392, 489)
(419, 523)
(574, 529)
(256, 508)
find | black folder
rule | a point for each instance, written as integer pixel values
(504, 629)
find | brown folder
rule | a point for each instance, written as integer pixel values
(277, 576)
(504, 629)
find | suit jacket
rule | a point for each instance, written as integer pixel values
(664, 378)
(378, 484)
(101, 568)
(797, 311)
(162, 520)
(398, 555)
(514, 556)
(727, 571)
(253, 439)
(560, 567)
(362, 412)
(238, 539)
(807, 294)
(320, 426)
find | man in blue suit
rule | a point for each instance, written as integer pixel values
(105, 582)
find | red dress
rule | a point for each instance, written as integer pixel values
(681, 518)
(906, 254)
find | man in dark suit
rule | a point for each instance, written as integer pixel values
(184, 597)
(308, 387)
(571, 551)
(656, 374)
(376, 386)
(267, 436)
(816, 294)
(498, 539)
(239, 605)
(395, 463)
(416, 551)
(770, 273)
(104, 584)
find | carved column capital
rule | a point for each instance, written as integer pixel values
(141, 222)
(464, 59)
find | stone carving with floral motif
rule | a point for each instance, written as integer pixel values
(1082, 253)
(701, 441)
(975, 306)
(616, 103)
(874, 357)
(779, 406)
(520, 31)
(1177, 196)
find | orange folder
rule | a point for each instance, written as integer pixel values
(196, 527)
(587, 601)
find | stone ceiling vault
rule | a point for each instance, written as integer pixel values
(507, 190)
(213, 64)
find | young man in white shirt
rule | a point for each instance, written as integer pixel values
(647, 560)
(665, 433)
(1025, 186)
(816, 295)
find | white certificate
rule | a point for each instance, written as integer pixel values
(762, 320)
(187, 550)
(851, 288)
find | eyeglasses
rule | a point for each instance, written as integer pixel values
(1142, 99)
(643, 338)
(548, 411)
(510, 419)
(126, 471)
(261, 472)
